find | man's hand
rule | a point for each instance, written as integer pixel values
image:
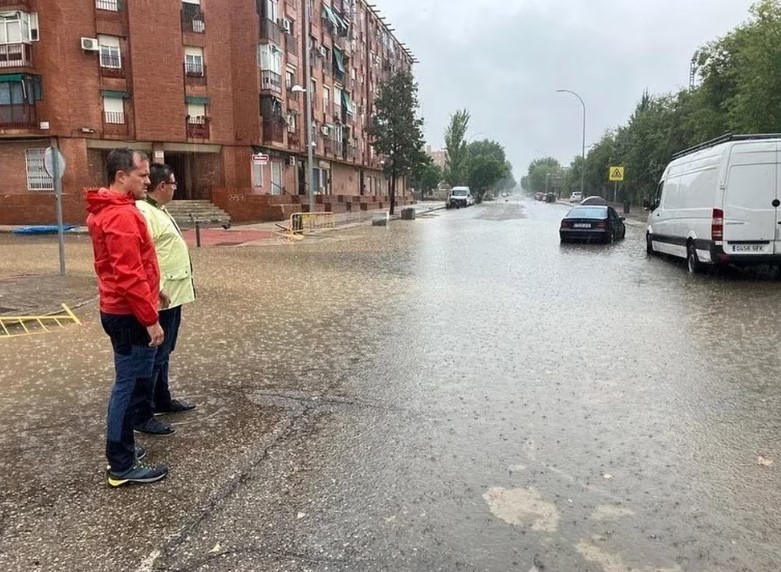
(165, 300)
(156, 335)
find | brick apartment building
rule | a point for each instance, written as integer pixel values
(200, 84)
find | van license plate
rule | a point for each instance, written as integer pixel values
(581, 225)
(749, 248)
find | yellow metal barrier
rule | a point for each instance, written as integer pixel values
(12, 326)
(311, 222)
(302, 223)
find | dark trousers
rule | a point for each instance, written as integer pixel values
(158, 392)
(133, 363)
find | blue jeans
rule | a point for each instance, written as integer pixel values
(158, 394)
(134, 362)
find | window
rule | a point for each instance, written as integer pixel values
(196, 113)
(257, 175)
(272, 10)
(270, 58)
(15, 27)
(110, 5)
(37, 178)
(291, 122)
(113, 110)
(12, 93)
(193, 61)
(110, 55)
(276, 178)
(290, 78)
(326, 98)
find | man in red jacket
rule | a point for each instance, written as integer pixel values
(129, 285)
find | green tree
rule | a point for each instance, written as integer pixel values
(540, 173)
(397, 130)
(457, 152)
(487, 167)
(426, 176)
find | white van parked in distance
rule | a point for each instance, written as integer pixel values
(718, 204)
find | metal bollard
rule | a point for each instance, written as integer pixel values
(198, 233)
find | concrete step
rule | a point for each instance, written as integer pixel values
(185, 212)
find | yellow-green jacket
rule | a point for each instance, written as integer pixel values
(176, 276)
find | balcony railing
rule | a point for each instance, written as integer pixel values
(114, 124)
(15, 55)
(270, 31)
(195, 73)
(273, 130)
(18, 116)
(193, 20)
(198, 127)
(270, 81)
(109, 5)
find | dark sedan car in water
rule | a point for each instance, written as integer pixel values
(592, 224)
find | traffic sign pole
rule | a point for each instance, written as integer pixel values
(54, 164)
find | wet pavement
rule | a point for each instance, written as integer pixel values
(458, 392)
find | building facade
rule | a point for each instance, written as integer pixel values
(203, 85)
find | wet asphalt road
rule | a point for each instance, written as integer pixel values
(455, 393)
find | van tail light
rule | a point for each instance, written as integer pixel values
(717, 225)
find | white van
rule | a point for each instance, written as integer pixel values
(717, 204)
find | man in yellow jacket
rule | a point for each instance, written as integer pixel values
(176, 288)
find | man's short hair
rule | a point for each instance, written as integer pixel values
(159, 173)
(121, 160)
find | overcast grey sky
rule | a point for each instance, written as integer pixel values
(504, 59)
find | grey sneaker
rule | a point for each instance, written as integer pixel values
(139, 474)
(154, 427)
(140, 454)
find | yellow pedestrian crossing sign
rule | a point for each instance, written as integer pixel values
(617, 174)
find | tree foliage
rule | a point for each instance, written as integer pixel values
(738, 91)
(396, 129)
(456, 146)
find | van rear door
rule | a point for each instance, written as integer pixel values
(750, 214)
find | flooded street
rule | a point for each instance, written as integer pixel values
(460, 392)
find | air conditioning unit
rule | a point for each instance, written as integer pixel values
(90, 45)
(292, 161)
(325, 130)
(284, 23)
(323, 51)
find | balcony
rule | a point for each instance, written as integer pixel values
(198, 127)
(15, 4)
(195, 73)
(273, 130)
(270, 31)
(193, 19)
(15, 55)
(111, 65)
(18, 116)
(270, 81)
(114, 124)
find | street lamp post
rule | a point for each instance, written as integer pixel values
(583, 154)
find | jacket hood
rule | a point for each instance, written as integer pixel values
(102, 198)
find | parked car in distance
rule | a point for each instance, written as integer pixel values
(718, 204)
(539, 196)
(592, 224)
(550, 198)
(460, 197)
(576, 197)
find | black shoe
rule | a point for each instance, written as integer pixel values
(176, 406)
(140, 454)
(154, 427)
(138, 473)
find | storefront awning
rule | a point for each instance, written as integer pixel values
(11, 78)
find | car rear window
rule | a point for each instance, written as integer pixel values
(588, 212)
(459, 193)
